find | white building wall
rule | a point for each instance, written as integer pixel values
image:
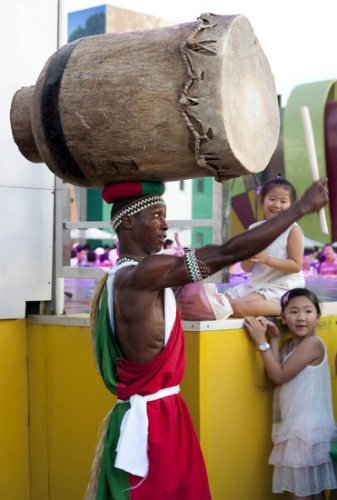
(28, 37)
(179, 206)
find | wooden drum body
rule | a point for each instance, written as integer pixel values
(186, 101)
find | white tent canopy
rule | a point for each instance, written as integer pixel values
(91, 233)
(309, 243)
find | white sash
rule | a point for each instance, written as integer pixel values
(133, 440)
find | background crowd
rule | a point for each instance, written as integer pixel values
(86, 256)
(320, 261)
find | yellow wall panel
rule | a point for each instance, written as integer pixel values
(236, 416)
(72, 405)
(14, 437)
(190, 386)
(225, 387)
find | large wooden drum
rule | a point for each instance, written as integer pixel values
(186, 101)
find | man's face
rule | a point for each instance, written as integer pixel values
(328, 252)
(307, 260)
(150, 227)
(81, 255)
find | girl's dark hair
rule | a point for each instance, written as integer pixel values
(278, 181)
(300, 292)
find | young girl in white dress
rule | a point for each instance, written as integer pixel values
(277, 268)
(303, 419)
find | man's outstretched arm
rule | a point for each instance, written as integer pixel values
(249, 243)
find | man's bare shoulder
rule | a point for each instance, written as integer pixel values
(133, 279)
(152, 274)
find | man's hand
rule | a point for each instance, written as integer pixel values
(315, 197)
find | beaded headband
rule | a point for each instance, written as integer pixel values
(146, 194)
(135, 207)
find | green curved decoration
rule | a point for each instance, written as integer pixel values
(315, 96)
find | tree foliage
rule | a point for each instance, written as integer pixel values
(94, 25)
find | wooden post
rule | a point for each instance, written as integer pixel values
(221, 223)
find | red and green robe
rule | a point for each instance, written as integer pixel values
(176, 466)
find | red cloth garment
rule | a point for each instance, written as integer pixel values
(176, 465)
(176, 469)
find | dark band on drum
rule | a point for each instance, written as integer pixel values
(50, 115)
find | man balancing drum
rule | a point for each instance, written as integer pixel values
(149, 449)
(198, 96)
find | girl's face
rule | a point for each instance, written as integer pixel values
(275, 201)
(301, 317)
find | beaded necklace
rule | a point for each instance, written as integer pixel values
(129, 258)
